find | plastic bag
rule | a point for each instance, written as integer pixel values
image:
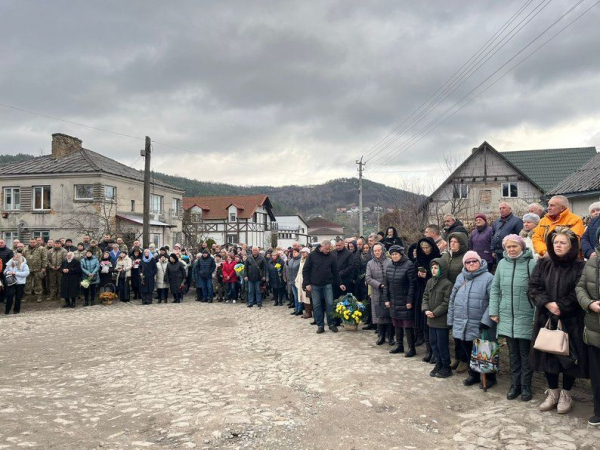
(485, 357)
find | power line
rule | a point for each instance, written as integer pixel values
(440, 119)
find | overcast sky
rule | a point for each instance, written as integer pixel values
(280, 92)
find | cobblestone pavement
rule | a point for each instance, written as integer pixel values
(197, 375)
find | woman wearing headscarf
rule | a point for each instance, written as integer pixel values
(175, 276)
(391, 238)
(427, 251)
(512, 310)
(375, 276)
(552, 290)
(16, 267)
(147, 275)
(71, 276)
(399, 297)
(588, 295)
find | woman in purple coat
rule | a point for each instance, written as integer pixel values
(480, 240)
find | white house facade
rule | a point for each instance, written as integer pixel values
(290, 229)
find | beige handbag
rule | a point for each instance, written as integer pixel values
(552, 341)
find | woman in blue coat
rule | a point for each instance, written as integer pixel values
(147, 277)
(90, 270)
(468, 310)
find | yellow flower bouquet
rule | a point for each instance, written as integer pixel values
(351, 311)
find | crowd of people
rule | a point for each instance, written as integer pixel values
(507, 279)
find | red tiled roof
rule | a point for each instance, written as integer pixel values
(216, 207)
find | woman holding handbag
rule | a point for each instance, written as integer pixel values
(552, 290)
(588, 294)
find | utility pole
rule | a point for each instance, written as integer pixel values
(361, 166)
(146, 226)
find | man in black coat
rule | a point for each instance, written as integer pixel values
(346, 264)
(203, 270)
(506, 224)
(6, 255)
(453, 225)
(256, 270)
(319, 274)
(71, 276)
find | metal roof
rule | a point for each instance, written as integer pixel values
(584, 179)
(549, 167)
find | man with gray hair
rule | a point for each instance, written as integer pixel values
(506, 224)
(536, 208)
(255, 269)
(558, 215)
(589, 240)
(453, 225)
(319, 273)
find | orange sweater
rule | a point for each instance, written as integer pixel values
(547, 225)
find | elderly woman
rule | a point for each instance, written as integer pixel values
(175, 277)
(588, 240)
(90, 268)
(530, 221)
(480, 239)
(293, 266)
(552, 290)
(147, 277)
(468, 310)
(399, 297)
(71, 276)
(302, 296)
(123, 270)
(16, 267)
(162, 287)
(512, 310)
(588, 295)
(375, 277)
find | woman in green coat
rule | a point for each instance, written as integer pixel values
(512, 310)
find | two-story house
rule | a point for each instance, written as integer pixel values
(233, 219)
(290, 229)
(320, 229)
(75, 191)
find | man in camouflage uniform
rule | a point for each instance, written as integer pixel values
(96, 251)
(122, 245)
(37, 260)
(80, 252)
(55, 259)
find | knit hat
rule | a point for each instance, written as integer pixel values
(396, 249)
(471, 255)
(515, 238)
(481, 216)
(531, 217)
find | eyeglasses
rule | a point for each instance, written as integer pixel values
(471, 261)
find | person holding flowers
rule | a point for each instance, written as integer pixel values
(276, 277)
(90, 267)
(398, 295)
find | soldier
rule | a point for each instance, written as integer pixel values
(80, 252)
(96, 251)
(122, 245)
(55, 259)
(86, 242)
(68, 245)
(37, 260)
(16, 242)
(42, 245)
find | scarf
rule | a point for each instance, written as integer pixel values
(147, 260)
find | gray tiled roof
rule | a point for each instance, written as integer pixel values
(82, 161)
(584, 179)
(549, 167)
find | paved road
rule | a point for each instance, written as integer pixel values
(221, 376)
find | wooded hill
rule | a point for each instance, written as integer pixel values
(321, 199)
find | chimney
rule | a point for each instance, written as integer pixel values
(63, 145)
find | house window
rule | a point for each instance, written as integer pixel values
(255, 218)
(510, 190)
(10, 236)
(132, 205)
(156, 204)
(110, 193)
(84, 192)
(232, 217)
(44, 234)
(156, 239)
(231, 238)
(461, 191)
(12, 198)
(176, 207)
(41, 198)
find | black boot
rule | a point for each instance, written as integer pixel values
(399, 348)
(420, 337)
(428, 355)
(73, 303)
(381, 331)
(391, 333)
(86, 303)
(472, 379)
(410, 340)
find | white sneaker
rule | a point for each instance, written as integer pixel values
(226, 301)
(234, 301)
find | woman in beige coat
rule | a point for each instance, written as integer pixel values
(123, 271)
(302, 297)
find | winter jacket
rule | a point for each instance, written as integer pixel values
(6, 255)
(293, 266)
(469, 301)
(501, 228)
(90, 267)
(547, 225)
(589, 240)
(387, 242)
(79, 254)
(161, 270)
(69, 287)
(527, 235)
(588, 291)
(148, 271)
(56, 257)
(456, 227)
(37, 258)
(375, 276)
(125, 264)
(437, 296)
(399, 289)
(320, 269)
(554, 279)
(20, 274)
(229, 274)
(175, 276)
(275, 276)
(454, 260)
(509, 300)
(480, 241)
(204, 268)
(255, 268)
(346, 264)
